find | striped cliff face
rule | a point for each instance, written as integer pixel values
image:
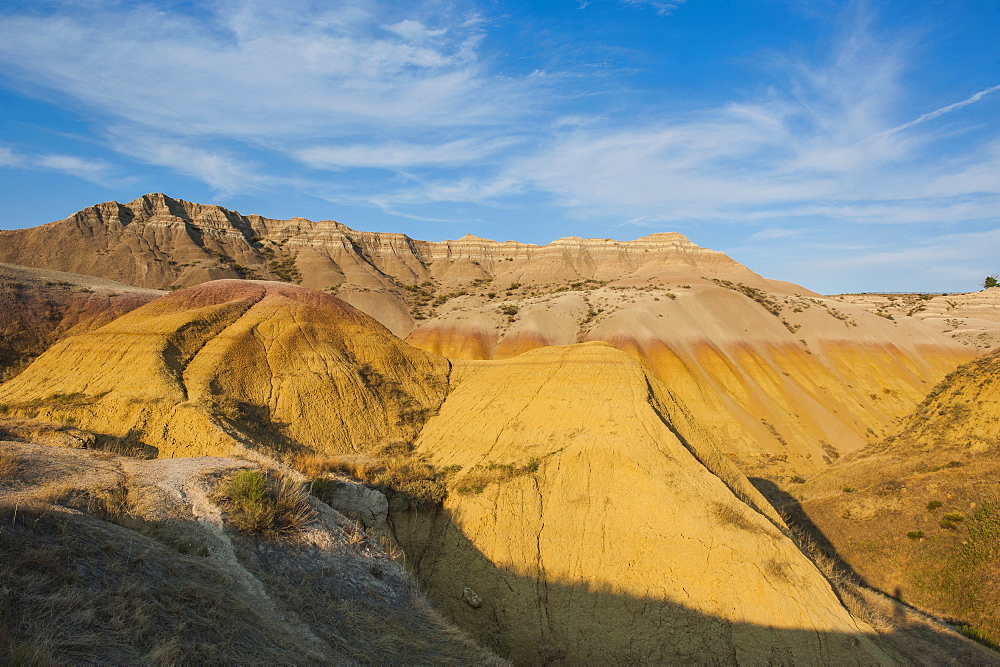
(789, 382)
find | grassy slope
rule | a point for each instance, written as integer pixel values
(918, 515)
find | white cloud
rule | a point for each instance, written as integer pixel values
(967, 250)
(259, 72)
(88, 169)
(827, 144)
(661, 6)
(95, 171)
(772, 233)
(946, 109)
(400, 154)
(223, 171)
(414, 31)
(9, 158)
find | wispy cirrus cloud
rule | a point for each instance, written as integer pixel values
(252, 70)
(962, 258)
(94, 170)
(401, 154)
(8, 158)
(827, 143)
(661, 6)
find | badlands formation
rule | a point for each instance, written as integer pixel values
(571, 442)
(786, 379)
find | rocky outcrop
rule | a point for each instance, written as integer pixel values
(158, 242)
(972, 319)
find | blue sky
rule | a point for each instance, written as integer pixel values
(840, 145)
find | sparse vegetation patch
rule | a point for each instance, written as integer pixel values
(406, 480)
(479, 477)
(766, 300)
(265, 503)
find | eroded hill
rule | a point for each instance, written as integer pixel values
(232, 365)
(159, 242)
(584, 527)
(38, 307)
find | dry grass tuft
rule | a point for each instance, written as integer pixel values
(850, 591)
(479, 477)
(9, 466)
(727, 515)
(393, 469)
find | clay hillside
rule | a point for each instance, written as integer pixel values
(502, 482)
(38, 307)
(586, 452)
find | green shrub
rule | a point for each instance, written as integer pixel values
(323, 488)
(954, 517)
(915, 534)
(409, 482)
(849, 489)
(266, 503)
(933, 505)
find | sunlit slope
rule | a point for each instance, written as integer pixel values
(229, 362)
(787, 382)
(581, 527)
(919, 513)
(38, 307)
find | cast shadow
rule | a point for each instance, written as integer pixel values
(533, 619)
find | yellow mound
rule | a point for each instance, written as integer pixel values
(265, 364)
(585, 525)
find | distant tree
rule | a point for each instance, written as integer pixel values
(991, 281)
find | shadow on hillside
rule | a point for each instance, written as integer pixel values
(532, 620)
(796, 518)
